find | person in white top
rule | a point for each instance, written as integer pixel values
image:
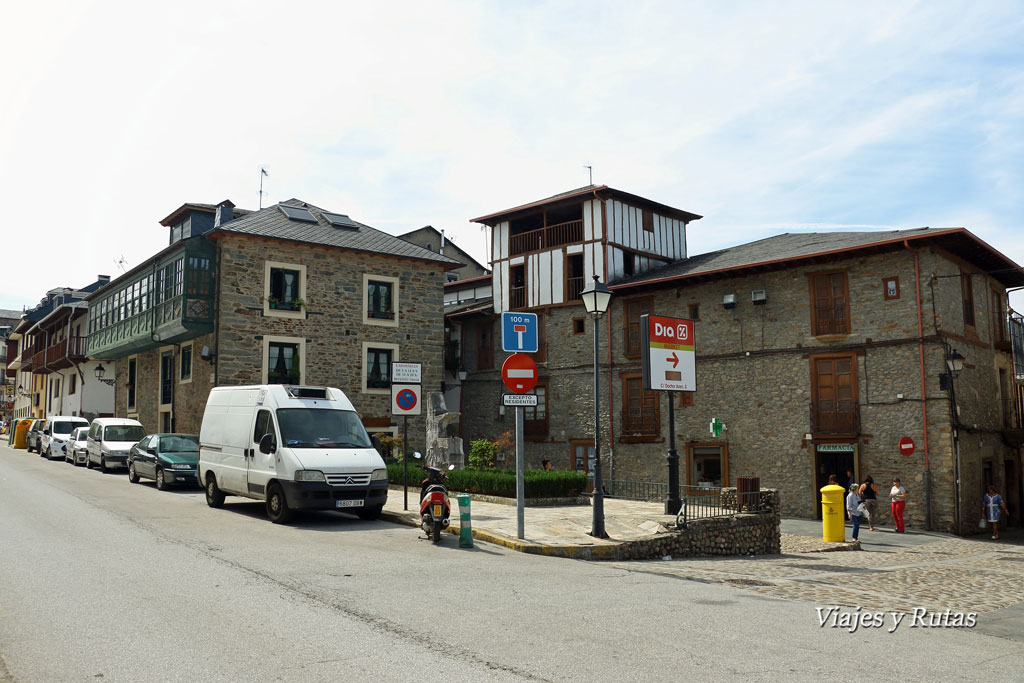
(898, 496)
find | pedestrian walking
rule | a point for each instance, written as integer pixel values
(850, 479)
(854, 509)
(991, 508)
(898, 496)
(869, 494)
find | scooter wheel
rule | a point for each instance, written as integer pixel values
(435, 532)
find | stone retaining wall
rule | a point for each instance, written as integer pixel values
(745, 533)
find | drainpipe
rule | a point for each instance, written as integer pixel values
(924, 396)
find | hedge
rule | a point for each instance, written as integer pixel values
(539, 483)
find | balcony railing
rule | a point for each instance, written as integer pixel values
(836, 421)
(65, 352)
(831, 320)
(548, 237)
(640, 423)
(573, 288)
(517, 297)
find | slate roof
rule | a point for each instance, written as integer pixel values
(272, 223)
(787, 249)
(603, 191)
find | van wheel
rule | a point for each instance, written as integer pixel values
(214, 496)
(133, 476)
(161, 484)
(371, 513)
(277, 506)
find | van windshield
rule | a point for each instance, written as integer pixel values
(123, 433)
(63, 427)
(315, 428)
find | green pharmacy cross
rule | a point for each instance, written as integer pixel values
(717, 426)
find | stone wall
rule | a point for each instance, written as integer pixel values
(745, 533)
(754, 372)
(332, 327)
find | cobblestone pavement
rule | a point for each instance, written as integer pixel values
(952, 573)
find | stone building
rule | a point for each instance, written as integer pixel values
(432, 239)
(818, 352)
(289, 294)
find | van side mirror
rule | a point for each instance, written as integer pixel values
(268, 444)
(46, 432)
(377, 444)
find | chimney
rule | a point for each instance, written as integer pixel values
(225, 213)
(103, 279)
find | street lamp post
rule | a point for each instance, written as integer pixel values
(595, 297)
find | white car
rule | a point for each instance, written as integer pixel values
(77, 450)
(110, 440)
(56, 433)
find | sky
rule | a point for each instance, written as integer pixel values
(764, 118)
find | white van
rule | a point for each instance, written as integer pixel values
(294, 447)
(110, 441)
(56, 433)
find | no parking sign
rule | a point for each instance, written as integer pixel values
(405, 399)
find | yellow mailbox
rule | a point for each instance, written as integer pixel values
(833, 514)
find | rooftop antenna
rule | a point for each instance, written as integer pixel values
(263, 172)
(120, 262)
(590, 170)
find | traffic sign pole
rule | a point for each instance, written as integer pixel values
(405, 459)
(520, 478)
(672, 503)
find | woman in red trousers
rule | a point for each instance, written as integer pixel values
(898, 495)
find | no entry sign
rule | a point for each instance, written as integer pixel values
(907, 446)
(519, 373)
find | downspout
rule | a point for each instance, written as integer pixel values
(924, 397)
(216, 319)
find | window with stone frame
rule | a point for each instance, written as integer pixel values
(283, 363)
(634, 308)
(130, 386)
(535, 418)
(380, 298)
(284, 289)
(641, 418)
(830, 305)
(185, 363)
(378, 367)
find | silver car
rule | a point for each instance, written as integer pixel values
(77, 450)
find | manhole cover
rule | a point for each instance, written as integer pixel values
(749, 582)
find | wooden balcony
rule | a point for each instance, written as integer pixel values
(38, 364)
(65, 353)
(573, 288)
(835, 422)
(548, 237)
(516, 298)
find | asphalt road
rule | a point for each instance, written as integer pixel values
(105, 580)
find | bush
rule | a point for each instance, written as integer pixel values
(481, 454)
(491, 482)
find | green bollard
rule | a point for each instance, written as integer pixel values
(465, 527)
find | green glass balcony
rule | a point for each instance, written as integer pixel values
(167, 300)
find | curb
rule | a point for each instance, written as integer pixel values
(578, 552)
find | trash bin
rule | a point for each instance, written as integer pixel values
(465, 525)
(21, 433)
(833, 514)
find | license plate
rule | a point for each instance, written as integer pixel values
(348, 503)
(437, 511)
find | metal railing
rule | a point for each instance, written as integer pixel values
(547, 237)
(640, 423)
(831, 320)
(637, 490)
(573, 288)
(517, 297)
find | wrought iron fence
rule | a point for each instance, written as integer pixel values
(637, 490)
(697, 502)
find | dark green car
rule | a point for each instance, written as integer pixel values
(169, 459)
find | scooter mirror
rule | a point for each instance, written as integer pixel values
(417, 455)
(451, 467)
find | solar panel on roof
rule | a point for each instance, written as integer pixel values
(297, 213)
(340, 220)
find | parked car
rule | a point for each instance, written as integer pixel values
(56, 433)
(77, 450)
(166, 458)
(33, 441)
(110, 441)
